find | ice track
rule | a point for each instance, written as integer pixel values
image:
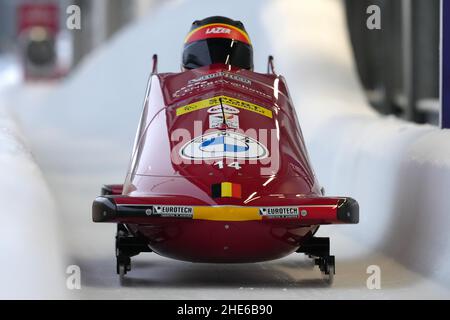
(81, 135)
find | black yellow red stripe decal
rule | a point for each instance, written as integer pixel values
(226, 190)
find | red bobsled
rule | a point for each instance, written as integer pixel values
(219, 173)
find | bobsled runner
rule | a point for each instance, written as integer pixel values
(219, 171)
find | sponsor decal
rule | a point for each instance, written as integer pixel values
(224, 144)
(226, 109)
(217, 30)
(192, 86)
(226, 190)
(170, 211)
(216, 120)
(207, 103)
(228, 75)
(247, 106)
(279, 212)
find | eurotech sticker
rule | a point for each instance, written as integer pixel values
(170, 211)
(224, 144)
(211, 102)
(279, 212)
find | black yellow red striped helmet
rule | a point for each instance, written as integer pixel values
(217, 40)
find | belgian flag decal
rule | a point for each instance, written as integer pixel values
(226, 190)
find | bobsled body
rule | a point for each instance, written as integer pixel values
(219, 171)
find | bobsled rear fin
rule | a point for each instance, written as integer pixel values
(301, 211)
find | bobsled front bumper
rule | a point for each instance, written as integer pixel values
(300, 211)
(187, 229)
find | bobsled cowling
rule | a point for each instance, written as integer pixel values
(220, 173)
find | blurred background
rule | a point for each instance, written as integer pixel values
(35, 31)
(398, 65)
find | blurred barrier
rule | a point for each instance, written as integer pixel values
(399, 172)
(31, 254)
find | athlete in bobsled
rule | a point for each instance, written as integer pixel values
(219, 170)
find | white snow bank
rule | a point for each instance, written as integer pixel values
(10, 72)
(31, 265)
(399, 172)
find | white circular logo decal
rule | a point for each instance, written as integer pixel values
(223, 144)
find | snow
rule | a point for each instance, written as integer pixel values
(81, 134)
(31, 255)
(10, 72)
(398, 171)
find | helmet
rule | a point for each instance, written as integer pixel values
(217, 40)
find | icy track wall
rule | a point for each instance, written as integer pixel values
(399, 172)
(31, 264)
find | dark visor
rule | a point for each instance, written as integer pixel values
(205, 52)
